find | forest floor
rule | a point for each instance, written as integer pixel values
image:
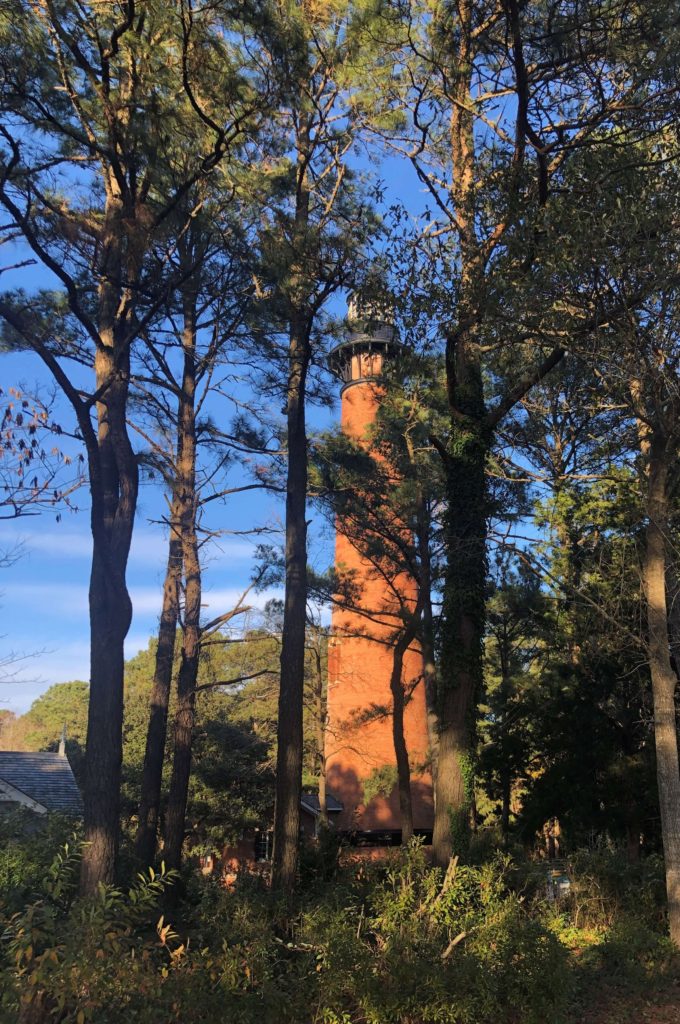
(614, 1004)
(622, 996)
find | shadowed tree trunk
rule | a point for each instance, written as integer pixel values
(291, 691)
(290, 739)
(401, 645)
(114, 485)
(463, 608)
(320, 716)
(152, 772)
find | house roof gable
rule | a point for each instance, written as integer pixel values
(45, 778)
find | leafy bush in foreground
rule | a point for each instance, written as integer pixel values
(27, 845)
(397, 943)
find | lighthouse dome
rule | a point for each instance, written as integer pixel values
(371, 338)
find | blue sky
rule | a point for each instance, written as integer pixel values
(43, 596)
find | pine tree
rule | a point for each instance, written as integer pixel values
(95, 101)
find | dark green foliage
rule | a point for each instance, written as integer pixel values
(608, 889)
(566, 721)
(593, 778)
(232, 775)
(27, 845)
(393, 943)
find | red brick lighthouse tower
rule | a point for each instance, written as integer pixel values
(360, 750)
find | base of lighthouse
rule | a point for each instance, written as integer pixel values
(360, 754)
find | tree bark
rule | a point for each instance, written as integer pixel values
(401, 752)
(154, 755)
(191, 632)
(291, 692)
(290, 739)
(462, 624)
(664, 680)
(427, 631)
(452, 801)
(464, 465)
(114, 485)
(175, 818)
(110, 617)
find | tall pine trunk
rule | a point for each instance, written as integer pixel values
(290, 739)
(464, 466)
(154, 755)
(110, 615)
(460, 672)
(191, 634)
(113, 485)
(291, 691)
(427, 643)
(664, 680)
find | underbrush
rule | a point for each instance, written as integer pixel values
(391, 943)
(378, 945)
(613, 922)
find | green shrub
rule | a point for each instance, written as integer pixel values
(27, 845)
(392, 943)
(633, 949)
(74, 960)
(606, 886)
(455, 950)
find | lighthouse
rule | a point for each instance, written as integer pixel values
(360, 748)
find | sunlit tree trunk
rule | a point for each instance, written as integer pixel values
(191, 628)
(664, 680)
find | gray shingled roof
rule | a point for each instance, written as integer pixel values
(46, 778)
(310, 801)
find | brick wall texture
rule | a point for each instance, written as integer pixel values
(359, 739)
